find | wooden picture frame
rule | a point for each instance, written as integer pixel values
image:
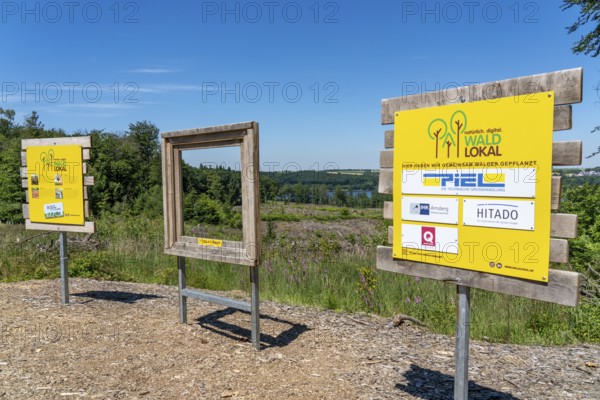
(244, 135)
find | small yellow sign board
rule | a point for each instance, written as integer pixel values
(210, 242)
(472, 185)
(55, 184)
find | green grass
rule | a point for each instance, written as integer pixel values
(317, 268)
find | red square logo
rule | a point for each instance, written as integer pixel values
(428, 236)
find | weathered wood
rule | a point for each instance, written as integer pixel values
(567, 85)
(563, 225)
(556, 192)
(178, 198)
(86, 154)
(559, 251)
(559, 248)
(168, 192)
(242, 126)
(83, 141)
(209, 145)
(88, 181)
(562, 287)
(227, 255)
(235, 136)
(388, 139)
(563, 118)
(25, 208)
(386, 179)
(88, 227)
(563, 153)
(567, 153)
(251, 194)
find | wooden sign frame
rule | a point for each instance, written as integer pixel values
(563, 286)
(244, 135)
(86, 144)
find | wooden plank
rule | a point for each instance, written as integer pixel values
(563, 153)
(227, 255)
(24, 183)
(83, 141)
(563, 118)
(562, 121)
(88, 227)
(562, 287)
(559, 251)
(23, 172)
(567, 85)
(386, 180)
(242, 126)
(559, 248)
(88, 181)
(167, 168)
(251, 194)
(86, 154)
(567, 153)
(209, 145)
(563, 225)
(556, 192)
(23, 158)
(25, 210)
(208, 138)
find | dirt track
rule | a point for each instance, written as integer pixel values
(123, 341)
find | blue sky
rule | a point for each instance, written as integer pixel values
(312, 73)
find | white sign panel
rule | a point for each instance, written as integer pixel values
(495, 182)
(498, 213)
(430, 209)
(432, 238)
(54, 210)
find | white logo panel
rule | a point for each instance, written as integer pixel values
(432, 238)
(498, 213)
(430, 209)
(495, 182)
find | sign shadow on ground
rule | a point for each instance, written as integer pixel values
(428, 384)
(275, 332)
(115, 295)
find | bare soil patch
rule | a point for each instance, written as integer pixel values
(123, 341)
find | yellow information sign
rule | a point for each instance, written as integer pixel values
(55, 184)
(210, 242)
(472, 185)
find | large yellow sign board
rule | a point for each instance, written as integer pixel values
(472, 185)
(55, 184)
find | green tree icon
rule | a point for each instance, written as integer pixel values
(458, 125)
(437, 128)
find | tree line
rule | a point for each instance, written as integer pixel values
(128, 178)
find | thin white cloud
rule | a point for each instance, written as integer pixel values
(153, 71)
(169, 88)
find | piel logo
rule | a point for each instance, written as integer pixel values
(456, 180)
(428, 236)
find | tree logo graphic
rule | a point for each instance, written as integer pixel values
(437, 128)
(458, 125)
(438, 131)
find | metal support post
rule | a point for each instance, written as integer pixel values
(64, 272)
(181, 287)
(255, 312)
(461, 375)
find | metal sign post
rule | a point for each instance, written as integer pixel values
(64, 271)
(463, 316)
